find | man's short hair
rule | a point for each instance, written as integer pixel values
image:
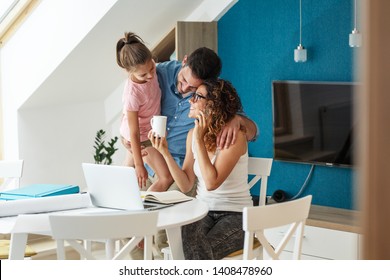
(204, 63)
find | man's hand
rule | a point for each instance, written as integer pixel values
(228, 135)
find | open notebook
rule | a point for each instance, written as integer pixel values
(167, 197)
(115, 187)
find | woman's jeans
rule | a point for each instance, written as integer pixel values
(214, 237)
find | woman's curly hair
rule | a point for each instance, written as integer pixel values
(222, 105)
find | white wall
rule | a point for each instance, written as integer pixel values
(49, 34)
(211, 10)
(54, 141)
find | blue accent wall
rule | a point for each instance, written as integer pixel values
(256, 42)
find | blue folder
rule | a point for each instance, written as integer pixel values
(38, 190)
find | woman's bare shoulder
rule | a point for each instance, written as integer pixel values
(240, 145)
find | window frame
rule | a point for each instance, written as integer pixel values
(15, 17)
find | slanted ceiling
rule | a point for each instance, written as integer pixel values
(90, 71)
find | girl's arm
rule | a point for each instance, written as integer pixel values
(185, 177)
(142, 174)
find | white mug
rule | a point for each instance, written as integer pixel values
(159, 125)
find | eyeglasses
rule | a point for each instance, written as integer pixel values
(196, 96)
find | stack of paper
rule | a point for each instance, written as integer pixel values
(38, 190)
(44, 204)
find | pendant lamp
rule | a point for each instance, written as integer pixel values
(355, 37)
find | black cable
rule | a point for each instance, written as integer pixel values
(281, 195)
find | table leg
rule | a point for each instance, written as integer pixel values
(110, 248)
(175, 243)
(17, 246)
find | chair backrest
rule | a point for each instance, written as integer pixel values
(11, 171)
(109, 226)
(258, 218)
(261, 168)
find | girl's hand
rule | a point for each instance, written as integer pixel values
(142, 175)
(159, 143)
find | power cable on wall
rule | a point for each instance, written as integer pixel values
(280, 195)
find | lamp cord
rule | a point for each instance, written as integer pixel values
(304, 184)
(355, 13)
(300, 22)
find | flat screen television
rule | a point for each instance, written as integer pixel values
(313, 122)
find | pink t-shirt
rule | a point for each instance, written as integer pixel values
(144, 99)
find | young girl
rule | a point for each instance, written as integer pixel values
(141, 100)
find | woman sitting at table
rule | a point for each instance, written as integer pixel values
(221, 173)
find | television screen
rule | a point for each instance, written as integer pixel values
(313, 122)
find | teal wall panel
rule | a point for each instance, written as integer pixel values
(256, 42)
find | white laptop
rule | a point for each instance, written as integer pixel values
(115, 187)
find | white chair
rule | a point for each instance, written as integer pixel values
(261, 168)
(112, 226)
(10, 171)
(259, 218)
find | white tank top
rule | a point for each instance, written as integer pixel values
(233, 194)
